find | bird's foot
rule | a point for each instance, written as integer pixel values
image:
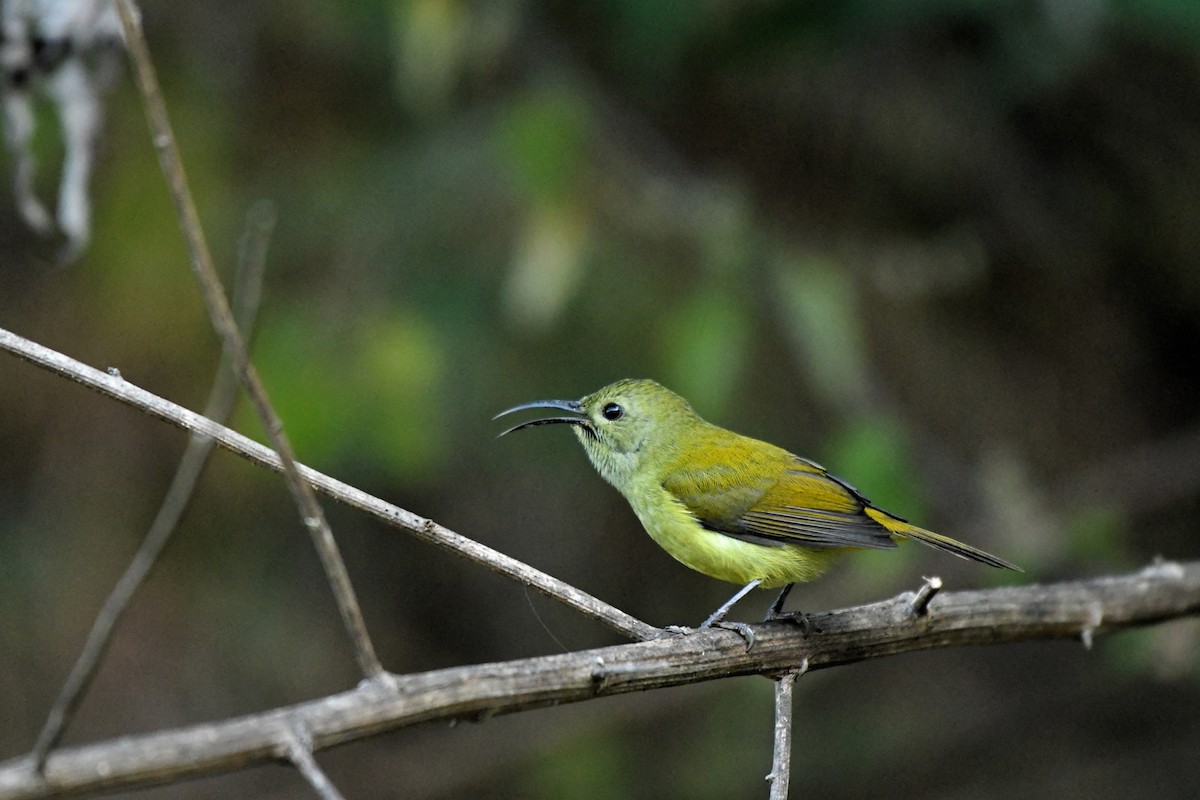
(797, 617)
(740, 628)
(776, 612)
(717, 618)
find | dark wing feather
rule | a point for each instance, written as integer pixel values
(773, 498)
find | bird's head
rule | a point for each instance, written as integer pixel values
(626, 428)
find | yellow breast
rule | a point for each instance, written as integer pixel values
(720, 556)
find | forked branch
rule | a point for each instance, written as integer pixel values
(226, 327)
(118, 388)
(247, 293)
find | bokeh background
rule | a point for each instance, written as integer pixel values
(947, 248)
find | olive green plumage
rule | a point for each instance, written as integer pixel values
(729, 506)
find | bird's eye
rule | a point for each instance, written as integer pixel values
(612, 412)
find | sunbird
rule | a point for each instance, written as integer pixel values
(731, 507)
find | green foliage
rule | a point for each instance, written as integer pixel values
(366, 396)
(706, 341)
(875, 451)
(1171, 18)
(543, 138)
(593, 766)
(1098, 534)
(650, 40)
(824, 323)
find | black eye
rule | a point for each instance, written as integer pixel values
(612, 412)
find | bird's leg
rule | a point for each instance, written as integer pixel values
(717, 618)
(719, 614)
(777, 606)
(776, 612)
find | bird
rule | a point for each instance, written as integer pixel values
(729, 506)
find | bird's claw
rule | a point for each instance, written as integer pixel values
(741, 629)
(798, 617)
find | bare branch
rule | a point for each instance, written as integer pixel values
(223, 321)
(1055, 611)
(921, 599)
(781, 763)
(299, 752)
(247, 293)
(427, 530)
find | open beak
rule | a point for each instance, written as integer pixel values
(566, 405)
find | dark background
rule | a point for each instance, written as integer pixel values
(946, 248)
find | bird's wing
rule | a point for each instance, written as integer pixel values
(787, 500)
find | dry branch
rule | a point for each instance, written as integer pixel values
(118, 388)
(781, 763)
(299, 752)
(1054, 611)
(247, 294)
(226, 327)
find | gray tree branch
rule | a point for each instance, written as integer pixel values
(780, 776)
(116, 387)
(1072, 610)
(299, 752)
(221, 316)
(246, 296)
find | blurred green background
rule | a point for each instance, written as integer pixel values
(947, 248)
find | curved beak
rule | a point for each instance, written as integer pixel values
(566, 405)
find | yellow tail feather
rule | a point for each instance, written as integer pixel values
(953, 546)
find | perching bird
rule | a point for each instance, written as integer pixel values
(734, 508)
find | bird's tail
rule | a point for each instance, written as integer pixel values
(953, 546)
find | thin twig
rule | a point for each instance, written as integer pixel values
(251, 266)
(247, 292)
(425, 529)
(222, 320)
(919, 605)
(299, 752)
(781, 763)
(1024, 613)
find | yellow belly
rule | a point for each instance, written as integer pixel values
(723, 557)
